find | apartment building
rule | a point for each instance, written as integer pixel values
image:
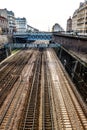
(79, 19)
(3, 13)
(4, 28)
(74, 21)
(21, 24)
(69, 25)
(10, 17)
(11, 21)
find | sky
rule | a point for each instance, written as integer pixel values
(42, 14)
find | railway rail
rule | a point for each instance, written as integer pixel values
(70, 113)
(42, 94)
(47, 119)
(10, 74)
(7, 115)
(31, 111)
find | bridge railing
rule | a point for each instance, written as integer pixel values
(32, 33)
(33, 36)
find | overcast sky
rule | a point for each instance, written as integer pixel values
(42, 14)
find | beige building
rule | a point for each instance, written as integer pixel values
(74, 21)
(69, 25)
(9, 15)
(79, 19)
(3, 13)
(3, 25)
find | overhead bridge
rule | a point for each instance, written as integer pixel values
(23, 37)
(32, 45)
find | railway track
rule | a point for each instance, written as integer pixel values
(49, 102)
(7, 115)
(69, 113)
(8, 65)
(32, 115)
(11, 75)
(9, 112)
(47, 119)
(30, 119)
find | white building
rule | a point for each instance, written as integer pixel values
(11, 21)
(21, 24)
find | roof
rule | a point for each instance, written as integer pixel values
(1, 17)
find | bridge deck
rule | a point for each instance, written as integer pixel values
(34, 36)
(32, 45)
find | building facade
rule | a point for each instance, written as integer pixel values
(21, 24)
(69, 25)
(57, 28)
(4, 28)
(9, 15)
(3, 13)
(11, 21)
(79, 19)
(74, 21)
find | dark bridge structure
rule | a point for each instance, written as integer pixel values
(73, 42)
(33, 36)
